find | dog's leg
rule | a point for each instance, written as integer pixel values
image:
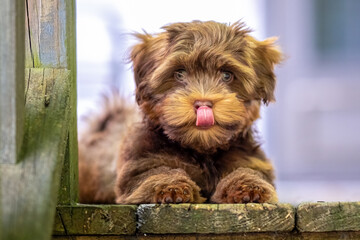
(244, 185)
(159, 185)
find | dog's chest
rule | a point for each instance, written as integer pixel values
(205, 173)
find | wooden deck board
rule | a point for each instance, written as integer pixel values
(328, 216)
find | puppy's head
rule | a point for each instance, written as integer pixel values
(203, 82)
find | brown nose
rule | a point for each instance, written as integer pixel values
(200, 103)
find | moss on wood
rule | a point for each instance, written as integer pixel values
(238, 236)
(95, 219)
(210, 221)
(29, 189)
(325, 217)
(215, 218)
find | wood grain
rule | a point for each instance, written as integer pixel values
(11, 79)
(69, 176)
(237, 236)
(50, 42)
(215, 218)
(95, 219)
(29, 189)
(211, 221)
(326, 217)
(46, 42)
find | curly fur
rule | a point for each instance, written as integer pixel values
(166, 158)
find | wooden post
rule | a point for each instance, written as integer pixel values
(29, 190)
(50, 42)
(11, 79)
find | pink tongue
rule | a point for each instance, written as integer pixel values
(205, 117)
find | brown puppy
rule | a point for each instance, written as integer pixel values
(199, 87)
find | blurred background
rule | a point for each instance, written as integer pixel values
(311, 133)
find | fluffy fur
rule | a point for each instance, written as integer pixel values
(166, 158)
(98, 148)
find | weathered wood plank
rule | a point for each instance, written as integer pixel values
(32, 33)
(238, 236)
(73, 137)
(29, 189)
(11, 79)
(95, 219)
(50, 42)
(215, 218)
(325, 217)
(47, 33)
(69, 176)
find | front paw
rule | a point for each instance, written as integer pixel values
(172, 186)
(176, 193)
(247, 194)
(244, 187)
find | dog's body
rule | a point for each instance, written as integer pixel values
(199, 87)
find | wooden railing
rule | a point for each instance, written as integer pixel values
(38, 154)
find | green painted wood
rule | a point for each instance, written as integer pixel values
(215, 218)
(11, 79)
(29, 189)
(326, 217)
(95, 219)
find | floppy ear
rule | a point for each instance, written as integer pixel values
(146, 54)
(267, 54)
(146, 57)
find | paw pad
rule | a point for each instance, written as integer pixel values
(180, 193)
(245, 194)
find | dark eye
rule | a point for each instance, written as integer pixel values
(227, 76)
(180, 75)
